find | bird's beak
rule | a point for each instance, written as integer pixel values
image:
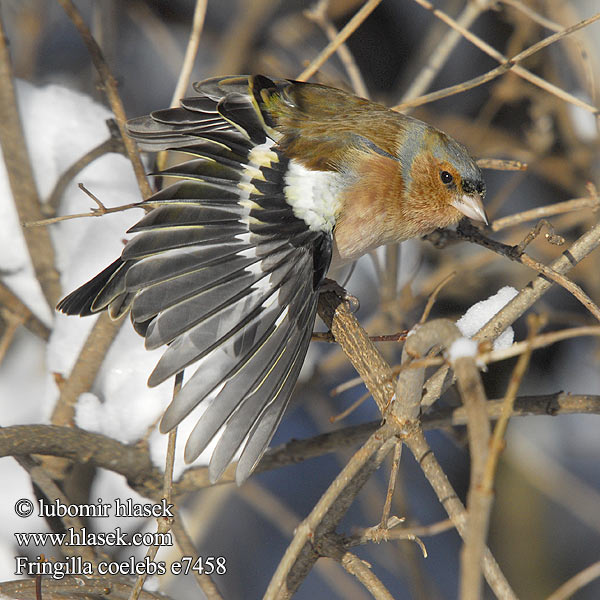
(471, 206)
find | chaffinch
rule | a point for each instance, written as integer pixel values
(286, 181)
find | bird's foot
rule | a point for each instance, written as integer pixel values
(329, 285)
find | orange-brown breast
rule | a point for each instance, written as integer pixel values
(372, 207)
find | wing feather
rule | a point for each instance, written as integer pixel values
(221, 271)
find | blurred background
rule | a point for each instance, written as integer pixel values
(546, 518)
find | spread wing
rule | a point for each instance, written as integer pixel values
(220, 271)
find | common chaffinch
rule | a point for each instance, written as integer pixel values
(287, 180)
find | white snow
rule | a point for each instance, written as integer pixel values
(584, 122)
(479, 314)
(60, 126)
(460, 348)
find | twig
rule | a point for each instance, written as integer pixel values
(86, 368)
(534, 232)
(12, 322)
(499, 164)
(351, 408)
(318, 14)
(569, 587)
(401, 533)
(14, 305)
(443, 49)
(135, 465)
(332, 547)
(385, 516)
(468, 232)
(453, 506)
(545, 211)
(339, 494)
(516, 378)
(190, 51)
(433, 296)
(94, 212)
(186, 66)
(22, 183)
(506, 64)
(351, 26)
(112, 95)
(163, 522)
(112, 144)
(238, 38)
(186, 545)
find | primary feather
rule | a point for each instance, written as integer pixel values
(220, 270)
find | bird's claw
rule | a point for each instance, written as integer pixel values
(329, 285)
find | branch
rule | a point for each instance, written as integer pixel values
(532, 292)
(112, 95)
(351, 26)
(504, 64)
(135, 465)
(22, 183)
(14, 305)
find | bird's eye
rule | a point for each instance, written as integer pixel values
(446, 177)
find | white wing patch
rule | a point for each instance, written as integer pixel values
(314, 195)
(259, 156)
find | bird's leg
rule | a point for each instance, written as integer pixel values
(329, 285)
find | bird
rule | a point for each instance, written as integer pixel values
(283, 182)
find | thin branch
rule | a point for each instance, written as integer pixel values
(112, 94)
(190, 51)
(499, 164)
(112, 144)
(135, 464)
(21, 180)
(570, 587)
(365, 536)
(351, 26)
(497, 441)
(163, 522)
(443, 49)
(324, 517)
(94, 212)
(318, 14)
(186, 545)
(187, 65)
(333, 547)
(11, 322)
(86, 368)
(506, 64)
(15, 306)
(545, 211)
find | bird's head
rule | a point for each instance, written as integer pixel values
(441, 177)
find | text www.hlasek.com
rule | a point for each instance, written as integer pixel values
(83, 537)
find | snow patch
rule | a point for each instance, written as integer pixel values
(479, 314)
(461, 348)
